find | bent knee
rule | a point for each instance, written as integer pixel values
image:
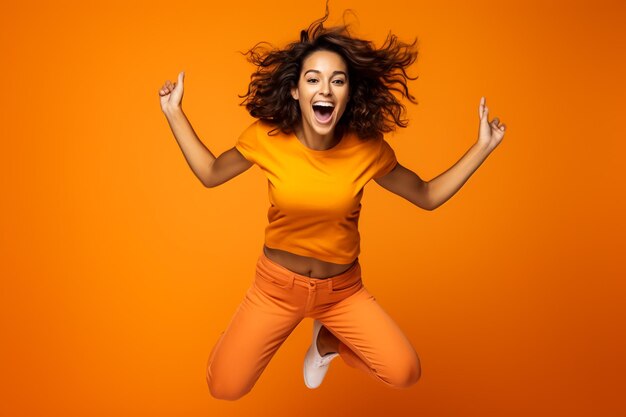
(224, 389)
(405, 375)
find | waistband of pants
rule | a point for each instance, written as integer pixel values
(288, 277)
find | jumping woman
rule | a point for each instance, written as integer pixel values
(321, 106)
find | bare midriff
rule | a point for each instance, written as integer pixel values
(305, 265)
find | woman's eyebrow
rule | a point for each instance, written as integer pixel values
(319, 72)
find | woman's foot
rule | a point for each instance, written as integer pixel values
(315, 363)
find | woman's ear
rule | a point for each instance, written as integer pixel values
(294, 93)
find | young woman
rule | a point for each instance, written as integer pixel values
(322, 106)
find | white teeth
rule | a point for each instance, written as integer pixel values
(323, 104)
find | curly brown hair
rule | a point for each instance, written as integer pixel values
(372, 73)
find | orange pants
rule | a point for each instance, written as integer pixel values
(278, 299)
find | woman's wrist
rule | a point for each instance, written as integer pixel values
(172, 110)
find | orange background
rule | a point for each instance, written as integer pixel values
(120, 270)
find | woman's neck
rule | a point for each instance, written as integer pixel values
(309, 137)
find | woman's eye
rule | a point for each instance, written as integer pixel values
(314, 80)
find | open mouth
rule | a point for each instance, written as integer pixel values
(323, 111)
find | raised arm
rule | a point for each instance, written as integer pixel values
(490, 134)
(210, 171)
(431, 194)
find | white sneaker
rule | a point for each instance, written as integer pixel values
(315, 365)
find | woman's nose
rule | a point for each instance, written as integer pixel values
(325, 89)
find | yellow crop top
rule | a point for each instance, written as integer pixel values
(315, 196)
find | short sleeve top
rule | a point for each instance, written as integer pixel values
(315, 195)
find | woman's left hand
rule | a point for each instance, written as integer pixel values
(490, 134)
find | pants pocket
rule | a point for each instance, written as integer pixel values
(347, 286)
(278, 282)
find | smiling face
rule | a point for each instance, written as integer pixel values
(322, 92)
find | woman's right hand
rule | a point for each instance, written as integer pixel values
(172, 94)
